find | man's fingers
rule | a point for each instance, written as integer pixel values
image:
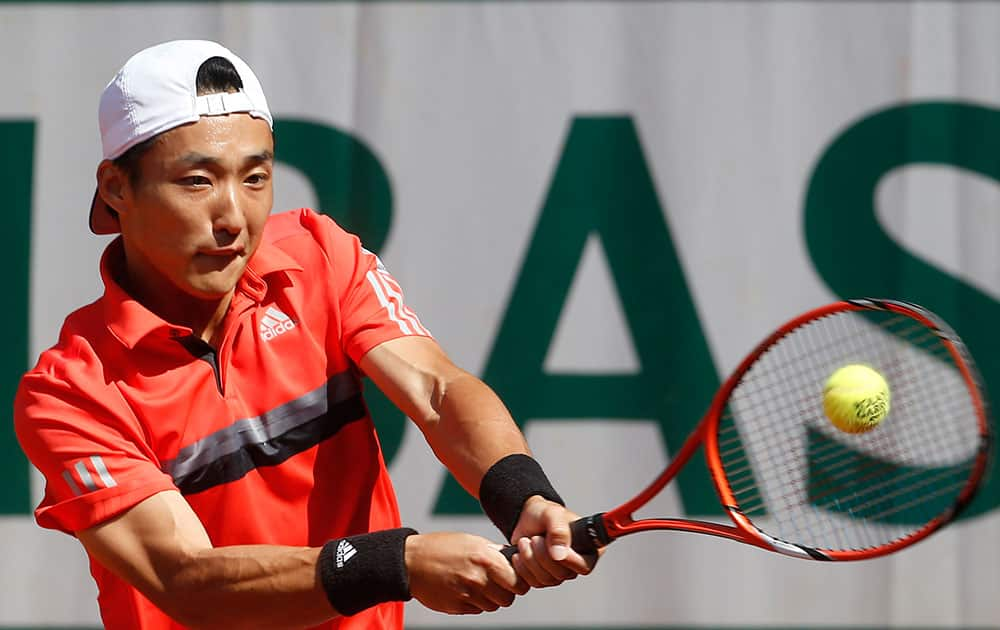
(545, 571)
(502, 572)
(559, 542)
(578, 563)
(521, 586)
(497, 596)
(545, 556)
(558, 552)
(503, 582)
(527, 565)
(569, 558)
(465, 609)
(461, 574)
(556, 571)
(558, 537)
(486, 595)
(534, 573)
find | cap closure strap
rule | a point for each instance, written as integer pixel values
(223, 103)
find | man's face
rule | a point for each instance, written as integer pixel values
(195, 216)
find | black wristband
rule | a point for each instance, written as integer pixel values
(360, 571)
(508, 484)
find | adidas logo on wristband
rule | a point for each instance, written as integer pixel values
(376, 576)
(345, 551)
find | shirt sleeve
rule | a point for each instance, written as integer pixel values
(95, 462)
(369, 300)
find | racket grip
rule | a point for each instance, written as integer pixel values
(589, 535)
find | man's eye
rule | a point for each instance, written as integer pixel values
(257, 178)
(195, 180)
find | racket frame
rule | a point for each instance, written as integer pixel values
(601, 529)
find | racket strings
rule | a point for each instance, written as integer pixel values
(828, 492)
(861, 509)
(896, 324)
(740, 469)
(801, 480)
(942, 491)
(752, 502)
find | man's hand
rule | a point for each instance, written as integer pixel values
(460, 573)
(542, 536)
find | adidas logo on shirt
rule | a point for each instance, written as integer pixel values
(274, 323)
(345, 551)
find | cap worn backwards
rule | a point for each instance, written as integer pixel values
(156, 91)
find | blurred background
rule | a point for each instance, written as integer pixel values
(599, 207)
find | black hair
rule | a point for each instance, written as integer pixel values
(215, 75)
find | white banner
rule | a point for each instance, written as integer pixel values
(574, 195)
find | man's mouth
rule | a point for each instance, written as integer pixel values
(222, 252)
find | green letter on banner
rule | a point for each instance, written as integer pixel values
(350, 183)
(17, 150)
(353, 188)
(840, 217)
(602, 187)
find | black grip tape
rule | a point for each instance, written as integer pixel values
(589, 534)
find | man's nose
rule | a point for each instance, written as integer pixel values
(229, 217)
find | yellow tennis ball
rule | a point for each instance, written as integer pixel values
(856, 398)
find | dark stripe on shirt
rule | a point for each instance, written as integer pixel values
(201, 349)
(268, 439)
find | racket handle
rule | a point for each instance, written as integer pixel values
(589, 535)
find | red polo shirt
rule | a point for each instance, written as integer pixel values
(267, 436)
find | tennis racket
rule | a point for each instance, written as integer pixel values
(792, 482)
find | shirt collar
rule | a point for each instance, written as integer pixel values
(266, 261)
(129, 321)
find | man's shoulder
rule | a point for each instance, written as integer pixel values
(76, 360)
(304, 232)
(298, 223)
(82, 331)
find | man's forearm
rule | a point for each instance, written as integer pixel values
(252, 586)
(473, 430)
(161, 548)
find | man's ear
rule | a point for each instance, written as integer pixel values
(112, 185)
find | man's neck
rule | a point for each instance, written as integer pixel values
(205, 317)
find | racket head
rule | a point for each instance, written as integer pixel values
(794, 483)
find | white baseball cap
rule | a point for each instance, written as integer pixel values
(154, 92)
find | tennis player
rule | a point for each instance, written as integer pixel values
(201, 426)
